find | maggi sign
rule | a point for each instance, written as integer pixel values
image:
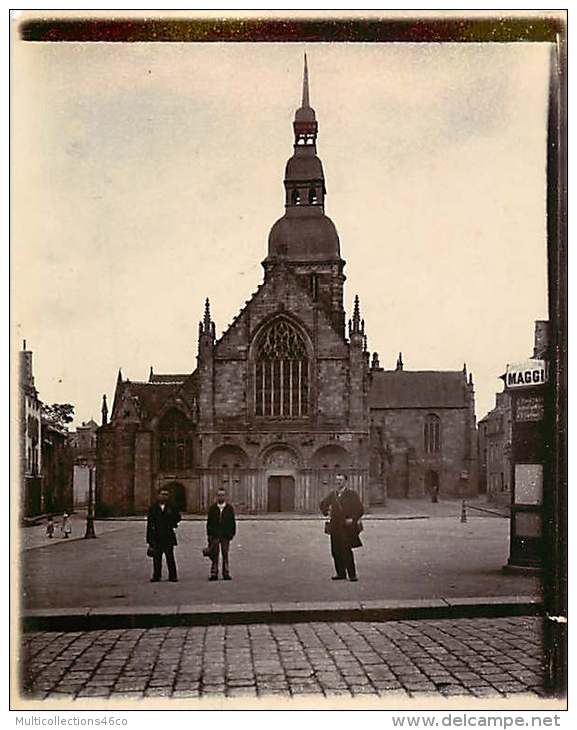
(526, 374)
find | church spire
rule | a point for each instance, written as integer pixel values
(399, 362)
(207, 319)
(306, 102)
(305, 124)
(207, 326)
(356, 324)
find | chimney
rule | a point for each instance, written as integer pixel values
(541, 339)
(26, 376)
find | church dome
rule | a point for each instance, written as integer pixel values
(301, 167)
(306, 238)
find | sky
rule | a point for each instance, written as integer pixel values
(146, 177)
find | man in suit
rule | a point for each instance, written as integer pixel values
(345, 509)
(161, 521)
(220, 528)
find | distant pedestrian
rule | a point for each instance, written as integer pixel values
(220, 529)
(50, 528)
(161, 520)
(345, 509)
(66, 527)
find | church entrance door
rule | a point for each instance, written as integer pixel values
(281, 494)
(432, 484)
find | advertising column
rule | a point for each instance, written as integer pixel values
(525, 383)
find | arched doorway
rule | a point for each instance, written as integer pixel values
(280, 494)
(228, 463)
(331, 457)
(228, 456)
(177, 495)
(281, 465)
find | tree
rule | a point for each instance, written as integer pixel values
(58, 414)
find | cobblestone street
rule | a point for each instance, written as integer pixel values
(465, 657)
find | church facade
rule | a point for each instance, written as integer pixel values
(278, 403)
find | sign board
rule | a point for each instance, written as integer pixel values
(529, 408)
(529, 484)
(526, 374)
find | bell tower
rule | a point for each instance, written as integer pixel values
(305, 238)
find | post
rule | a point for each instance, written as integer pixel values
(463, 511)
(90, 514)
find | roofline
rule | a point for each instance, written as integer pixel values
(423, 372)
(417, 408)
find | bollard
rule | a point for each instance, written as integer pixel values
(463, 511)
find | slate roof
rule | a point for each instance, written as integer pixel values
(418, 389)
(150, 397)
(167, 378)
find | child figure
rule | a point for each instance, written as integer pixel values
(66, 528)
(50, 528)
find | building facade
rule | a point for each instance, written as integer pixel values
(56, 469)
(281, 400)
(496, 433)
(82, 444)
(30, 438)
(45, 464)
(424, 435)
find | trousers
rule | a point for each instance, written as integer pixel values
(219, 545)
(168, 551)
(343, 557)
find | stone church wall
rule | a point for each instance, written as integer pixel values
(230, 389)
(332, 389)
(408, 463)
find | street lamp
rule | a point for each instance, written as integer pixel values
(90, 514)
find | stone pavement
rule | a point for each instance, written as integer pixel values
(273, 561)
(474, 658)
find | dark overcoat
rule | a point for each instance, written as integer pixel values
(160, 525)
(221, 525)
(345, 512)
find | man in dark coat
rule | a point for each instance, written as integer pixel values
(220, 528)
(160, 524)
(345, 509)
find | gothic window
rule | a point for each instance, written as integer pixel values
(175, 442)
(432, 434)
(296, 198)
(281, 372)
(312, 196)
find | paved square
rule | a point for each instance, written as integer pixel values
(277, 560)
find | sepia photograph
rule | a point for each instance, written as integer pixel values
(288, 345)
